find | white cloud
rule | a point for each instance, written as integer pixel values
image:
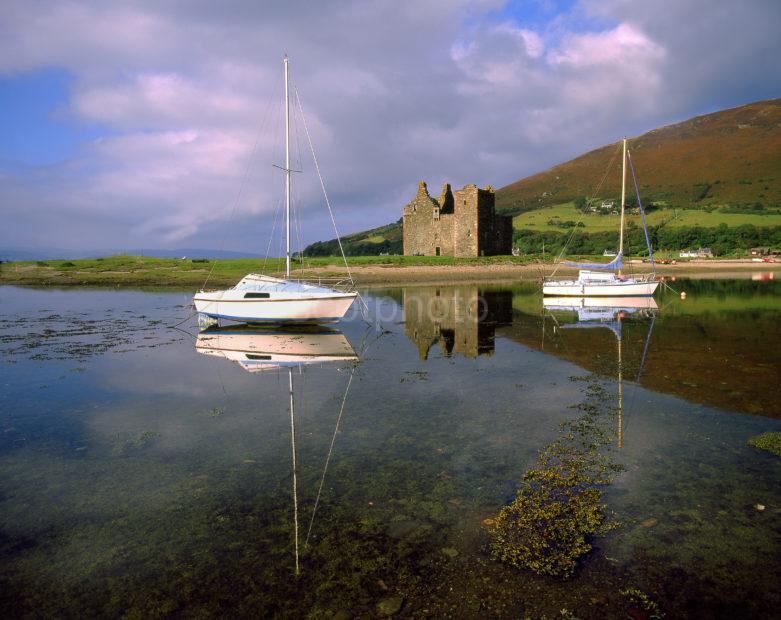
(159, 99)
(621, 46)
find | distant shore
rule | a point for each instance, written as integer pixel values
(454, 274)
(128, 271)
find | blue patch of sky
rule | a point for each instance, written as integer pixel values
(550, 16)
(35, 126)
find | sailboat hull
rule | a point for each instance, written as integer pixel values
(233, 306)
(576, 288)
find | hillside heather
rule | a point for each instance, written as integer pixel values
(731, 157)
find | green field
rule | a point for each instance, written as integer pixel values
(540, 219)
(373, 239)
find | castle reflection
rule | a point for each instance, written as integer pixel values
(460, 320)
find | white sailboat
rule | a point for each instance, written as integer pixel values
(606, 279)
(260, 298)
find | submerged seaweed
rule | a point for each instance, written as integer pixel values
(559, 506)
(770, 442)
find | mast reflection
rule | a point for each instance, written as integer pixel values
(258, 349)
(607, 313)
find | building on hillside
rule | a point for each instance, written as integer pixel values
(462, 223)
(698, 253)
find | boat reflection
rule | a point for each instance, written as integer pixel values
(461, 320)
(601, 308)
(258, 349)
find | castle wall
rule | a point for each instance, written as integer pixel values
(465, 210)
(503, 234)
(425, 228)
(467, 226)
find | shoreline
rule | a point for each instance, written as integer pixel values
(467, 274)
(373, 275)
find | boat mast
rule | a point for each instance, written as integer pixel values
(287, 173)
(623, 206)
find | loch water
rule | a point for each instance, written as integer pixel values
(146, 469)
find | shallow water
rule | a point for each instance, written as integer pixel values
(146, 472)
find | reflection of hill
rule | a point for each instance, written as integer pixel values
(711, 358)
(461, 320)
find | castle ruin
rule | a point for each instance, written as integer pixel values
(463, 223)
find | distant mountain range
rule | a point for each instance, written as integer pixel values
(728, 158)
(21, 254)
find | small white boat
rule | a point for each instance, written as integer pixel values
(592, 282)
(264, 299)
(258, 298)
(595, 284)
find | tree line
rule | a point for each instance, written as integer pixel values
(721, 239)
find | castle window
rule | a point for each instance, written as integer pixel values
(437, 250)
(436, 214)
(468, 232)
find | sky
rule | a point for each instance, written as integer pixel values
(158, 124)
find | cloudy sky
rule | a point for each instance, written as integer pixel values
(156, 124)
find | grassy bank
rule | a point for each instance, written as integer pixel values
(119, 271)
(149, 271)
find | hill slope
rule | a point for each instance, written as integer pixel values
(382, 240)
(728, 157)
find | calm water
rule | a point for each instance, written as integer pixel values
(146, 471)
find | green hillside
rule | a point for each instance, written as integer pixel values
(710, 180)
(383, 240)
(565, 216)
